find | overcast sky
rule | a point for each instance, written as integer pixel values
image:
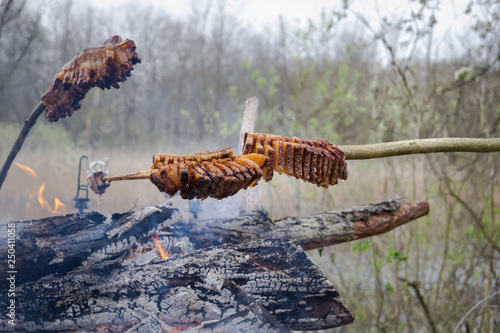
(265, 12)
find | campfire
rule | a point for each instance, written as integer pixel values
(156, 270)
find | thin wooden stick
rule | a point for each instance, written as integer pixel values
(28, 124)
(129, 176)
(422, 146)
(248, 121)
(387, 149)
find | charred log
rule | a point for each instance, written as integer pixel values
(311, 232)
(349, 224)
(192, 288)
(81, 270)
(59, 244)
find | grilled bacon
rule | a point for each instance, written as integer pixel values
(220, 174)
(217, 174)
(160, 160)
(103, 66)
(315, 161)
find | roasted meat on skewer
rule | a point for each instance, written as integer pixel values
(217, 178)
(315, 161)
(220, 174)
(103, 66)
(216, 174)
(160, 160)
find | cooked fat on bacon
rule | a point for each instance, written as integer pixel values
(315, 161)
(103, 66)
(217, 174)
(220, 174)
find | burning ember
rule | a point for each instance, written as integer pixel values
(178, 329)
(156, 240)
(59, 207)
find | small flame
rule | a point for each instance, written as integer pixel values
(156, 240)
(59, 207)
(27, 169)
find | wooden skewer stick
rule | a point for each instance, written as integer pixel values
(387, 149)
(129, 176)
(28, 124)
(421, 146)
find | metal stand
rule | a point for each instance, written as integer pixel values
(81, 203)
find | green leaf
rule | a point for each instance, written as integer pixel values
(255, 74)
(246, 64)
(261, 82)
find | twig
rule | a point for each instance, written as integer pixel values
(248, 121)
(422, 302)
(473, 308)
(129, 176)
(28, 124)
(421, 146)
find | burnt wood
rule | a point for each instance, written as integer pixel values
(81, 270)
(192, 288)
(56, 245)
(311, 232)
(59, 244)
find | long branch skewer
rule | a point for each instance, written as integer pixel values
(420, 146)
(386, 149)
(28, 124)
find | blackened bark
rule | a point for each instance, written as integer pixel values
(82, 271)
(199, 287)
(60, 244)
(311, 232)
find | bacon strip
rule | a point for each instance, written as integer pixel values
(315, 161)
(103, 66)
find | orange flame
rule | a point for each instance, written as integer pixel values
(59, 207)
(156, 240)
(27, 169)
